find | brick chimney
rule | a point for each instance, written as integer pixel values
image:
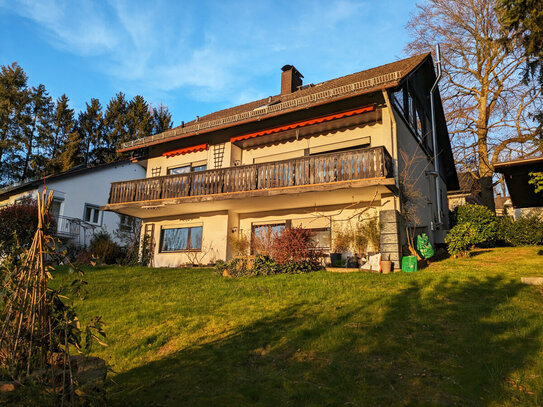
(291, 78)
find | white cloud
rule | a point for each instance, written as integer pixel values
(78, 27)
(211, 52)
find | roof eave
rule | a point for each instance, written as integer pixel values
(259, 118)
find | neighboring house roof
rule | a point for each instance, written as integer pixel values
(516, 174)
(35, 183)
(500, 202)
(370, 80)
(468, 185)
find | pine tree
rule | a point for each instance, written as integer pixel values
(36, 126)
(13, 99)
(91, 132)
(162, 119)
(116, 126)
(71, 154)
(139, 118)
(63, 133)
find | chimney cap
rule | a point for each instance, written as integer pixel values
(289, 67)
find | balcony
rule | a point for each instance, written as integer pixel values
(66, 227)
(368, 166)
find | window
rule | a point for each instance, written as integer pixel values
(126, 223)
(186, 169)
(56, 207)
(202, 167)
(179, 170)
(91, 214)
(155, 172)
(262, 236)
(321, 238)
(181, 239)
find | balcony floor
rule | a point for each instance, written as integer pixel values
(333, 193)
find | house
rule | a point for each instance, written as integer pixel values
(469, 191)
(78, 195)
(517, 176)
(318, 156)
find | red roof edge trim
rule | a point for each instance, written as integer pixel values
(304, 123)
(191, 149)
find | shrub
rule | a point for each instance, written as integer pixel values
(293, 244)
(526, 230)
(462, 238)
(483, 229)
(357, 237)
(104, 248)
(18, 222)
(240, 244)
(265, 266)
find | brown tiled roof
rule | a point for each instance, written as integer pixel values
(468, 184)
(354, 84)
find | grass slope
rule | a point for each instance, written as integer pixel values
(461, 332)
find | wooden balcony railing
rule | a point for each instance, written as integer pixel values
(344, 166)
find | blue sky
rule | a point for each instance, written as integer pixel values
(195, 57)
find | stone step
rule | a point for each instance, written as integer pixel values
(532, 280)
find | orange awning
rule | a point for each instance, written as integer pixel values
(304, 123)
(191, 149)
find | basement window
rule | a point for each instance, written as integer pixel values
(181, 239)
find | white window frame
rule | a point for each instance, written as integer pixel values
(93, 209)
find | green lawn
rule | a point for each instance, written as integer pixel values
(460, 332)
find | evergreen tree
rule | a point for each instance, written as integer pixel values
(36, 119)
(91, 132)
(63, 134)
(162, 119)
(116, 124)
(13, 99)
(71, 154)
(523, 20)
(139, 118)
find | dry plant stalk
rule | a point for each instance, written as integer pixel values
(25, 336)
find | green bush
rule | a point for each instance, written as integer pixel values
(483, 229)
(104, 248)
(462, 238)
(526, 230)
(265, 266)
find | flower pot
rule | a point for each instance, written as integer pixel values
(386, 266)
(335, 259)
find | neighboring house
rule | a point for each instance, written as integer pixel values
(318, 156)
(516, 174)
(78, 195)
(468, 193)
(504, 206)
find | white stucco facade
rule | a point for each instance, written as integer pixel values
(78, 197)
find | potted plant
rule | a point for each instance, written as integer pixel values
(341, 243)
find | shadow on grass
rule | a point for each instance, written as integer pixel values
(454, 344)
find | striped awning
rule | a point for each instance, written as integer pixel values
(303, 123)
(186, 150)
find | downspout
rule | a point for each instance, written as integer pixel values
(393, 144)
(434, 135)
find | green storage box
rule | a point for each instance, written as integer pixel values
(409, 263)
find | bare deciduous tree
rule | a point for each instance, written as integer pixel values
(488, 106)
